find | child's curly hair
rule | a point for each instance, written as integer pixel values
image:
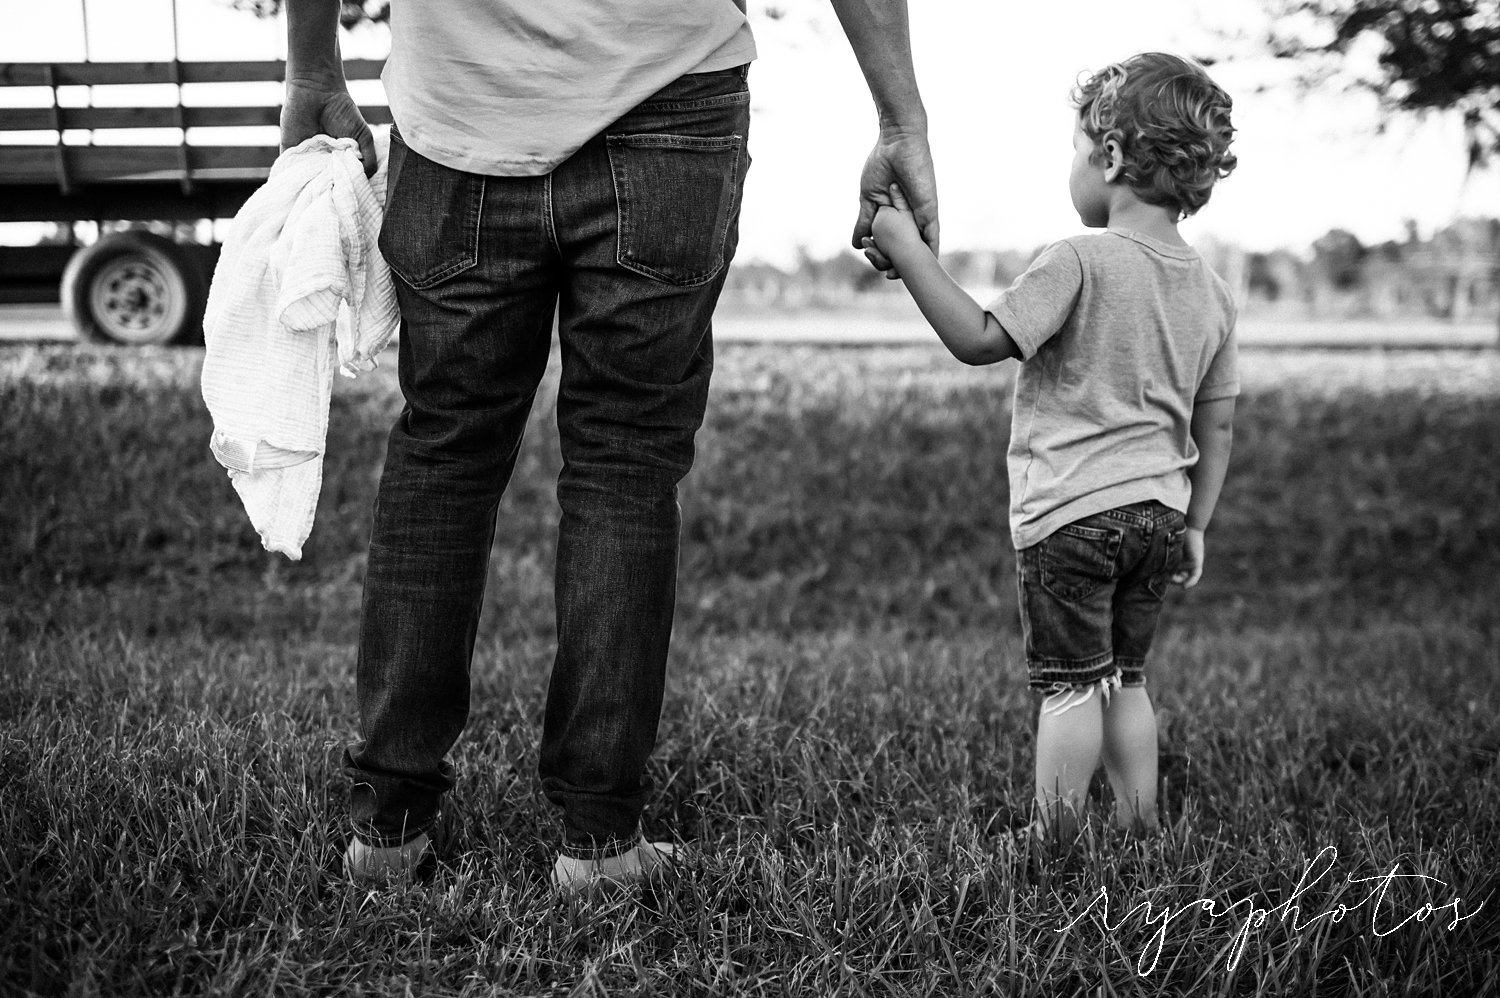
(1171, 121)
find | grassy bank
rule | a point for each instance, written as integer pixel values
(846, 732)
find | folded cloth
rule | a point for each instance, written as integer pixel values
(299, 290)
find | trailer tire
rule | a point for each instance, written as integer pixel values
(135, 288)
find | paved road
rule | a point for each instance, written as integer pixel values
(41, 323)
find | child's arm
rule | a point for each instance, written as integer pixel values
(1213, 432)
(970, 333)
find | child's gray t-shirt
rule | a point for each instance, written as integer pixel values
(1119, 335)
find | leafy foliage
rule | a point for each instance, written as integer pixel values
(1434, 54)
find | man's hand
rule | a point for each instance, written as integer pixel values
(1191, 569)
(901, 156)
(880, 35)
(324, 107)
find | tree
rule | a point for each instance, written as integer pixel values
(1433, 55)
(1338, 257)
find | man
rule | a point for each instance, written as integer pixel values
(586, 156)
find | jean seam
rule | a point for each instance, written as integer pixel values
(672, 140)
(1042, 662)
(621, 215)
(723, 100)
(1144, 523)
(1049, 672)
(548, 211)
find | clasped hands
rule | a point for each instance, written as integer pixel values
(894, 232)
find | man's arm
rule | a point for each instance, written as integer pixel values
(969, 332)
(879, 34)
(317, 97)
(1213, 432)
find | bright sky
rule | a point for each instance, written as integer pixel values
(995, 77)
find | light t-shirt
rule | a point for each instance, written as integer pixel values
(1119, 335)
(514, 87)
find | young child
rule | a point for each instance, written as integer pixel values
(1122, 419)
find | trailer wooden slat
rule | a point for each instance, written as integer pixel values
(126, 164)
(17, 119)
(96, 74)
(139, 200)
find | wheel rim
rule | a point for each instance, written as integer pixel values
(134, 299)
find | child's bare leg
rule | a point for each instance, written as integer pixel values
(1129, 749)
(1069, 736)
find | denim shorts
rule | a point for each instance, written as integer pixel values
(1091, 593)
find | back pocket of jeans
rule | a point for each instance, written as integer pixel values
(1076, 560)
(676, 197)
(431, 227)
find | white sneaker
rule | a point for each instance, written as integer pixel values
(646, 861)
(367, 864)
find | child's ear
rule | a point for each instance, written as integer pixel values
(1114, 161)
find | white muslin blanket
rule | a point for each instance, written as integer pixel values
(300, 290)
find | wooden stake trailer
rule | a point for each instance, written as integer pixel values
(132, 285)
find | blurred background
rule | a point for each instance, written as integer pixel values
(1367, 189)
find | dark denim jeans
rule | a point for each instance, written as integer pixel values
(628, 240)
(1091, 593)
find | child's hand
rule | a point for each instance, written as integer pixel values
(895, 229)
(1191, 569)
(894, 223)
(878, 259)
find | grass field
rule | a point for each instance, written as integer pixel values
(846, 733)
